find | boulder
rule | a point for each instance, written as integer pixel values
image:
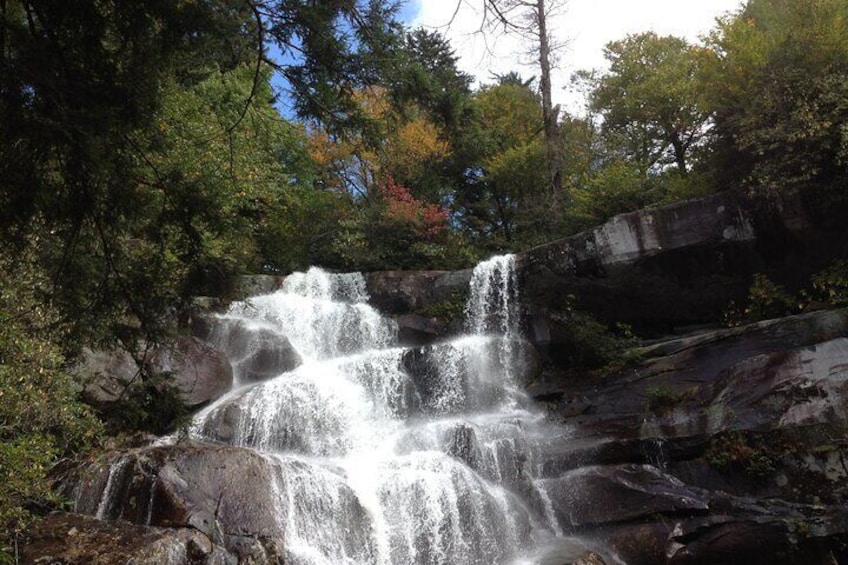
(74, 539)
(105, 374)
(257, 352)
(200, 372)
(235, 497)
(256, 285)
(199, 317)
(415, 330)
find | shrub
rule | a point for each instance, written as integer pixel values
(595, 346)
(766, 299)
(41, 418)
(731, 451)
(660, 399)
(831, 284)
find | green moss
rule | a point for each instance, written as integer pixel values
(447, 310)
(661, 398)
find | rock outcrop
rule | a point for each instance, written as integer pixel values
(714, 443)
(678, 265)
(76, 539)
(199, 372)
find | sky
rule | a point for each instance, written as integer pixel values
(586, 26)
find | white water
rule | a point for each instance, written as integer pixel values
(386, 455)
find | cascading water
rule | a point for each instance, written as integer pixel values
(387, 455)
(382, 454)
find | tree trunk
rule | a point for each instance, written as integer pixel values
(549, 115)
(679, 153)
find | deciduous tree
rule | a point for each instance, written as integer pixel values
(649, 100)
(777, 83)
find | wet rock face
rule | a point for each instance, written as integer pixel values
(74, 539)
(219, 491)
(258, 353)
(758, 412)
(793, 388)
(403, 292)
(648, 516)
(445, 375)
(234, 498)
(592, 496)
(779, 373)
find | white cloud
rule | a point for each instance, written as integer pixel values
(586, 24)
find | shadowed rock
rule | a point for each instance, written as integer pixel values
(200, 372)
(74, 539)
(257, 352)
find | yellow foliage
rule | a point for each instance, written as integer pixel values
(410, 145)
(414, 146)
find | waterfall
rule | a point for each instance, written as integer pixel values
(385, 455)
(492, 305)
(389, 455)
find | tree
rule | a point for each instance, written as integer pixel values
(243, 173)
(82, 92)
(42, 419)
(329, 51)
(505, 203)
(649, 100)
(530, 19)
(777, 83)
(425, 74)
(394, 190)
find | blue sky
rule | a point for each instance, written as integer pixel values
(585, 25)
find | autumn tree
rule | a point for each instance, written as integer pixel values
(391, 187)
(507, 201)
(530, 20)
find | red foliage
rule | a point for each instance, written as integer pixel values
(426, 220)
